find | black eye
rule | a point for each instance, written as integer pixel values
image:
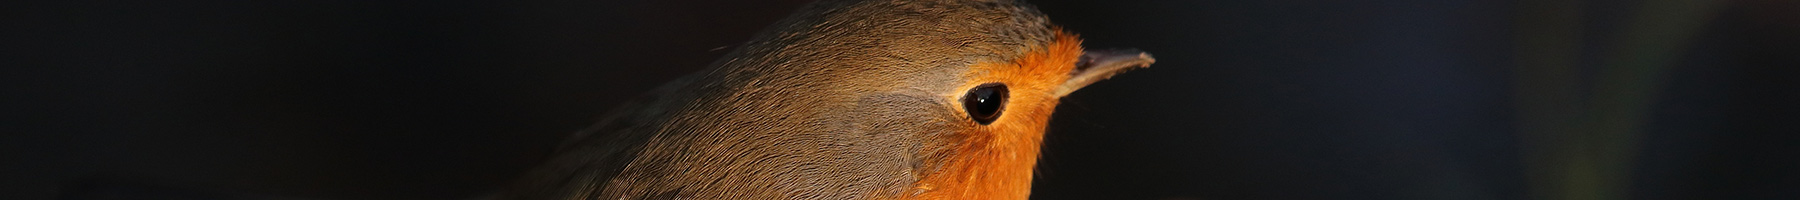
(985, 102)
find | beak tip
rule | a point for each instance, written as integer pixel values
(1146, 60)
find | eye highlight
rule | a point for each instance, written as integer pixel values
(984, 103)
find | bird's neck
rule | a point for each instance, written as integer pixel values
(994, 167)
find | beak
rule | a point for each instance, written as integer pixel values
(1100, 65)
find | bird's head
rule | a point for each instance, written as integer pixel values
(976, 80)
(932, 99)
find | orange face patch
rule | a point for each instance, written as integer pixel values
(996, 160)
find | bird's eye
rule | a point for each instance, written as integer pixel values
(985, 102)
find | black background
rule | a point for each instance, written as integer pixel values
(1290, 99)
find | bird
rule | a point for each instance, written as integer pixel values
(843, 99)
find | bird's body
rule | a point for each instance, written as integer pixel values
(843, 100)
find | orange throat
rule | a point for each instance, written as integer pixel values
(996, 161)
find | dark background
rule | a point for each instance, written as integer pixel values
(1287, 99)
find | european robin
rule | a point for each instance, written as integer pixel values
(875, 99)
